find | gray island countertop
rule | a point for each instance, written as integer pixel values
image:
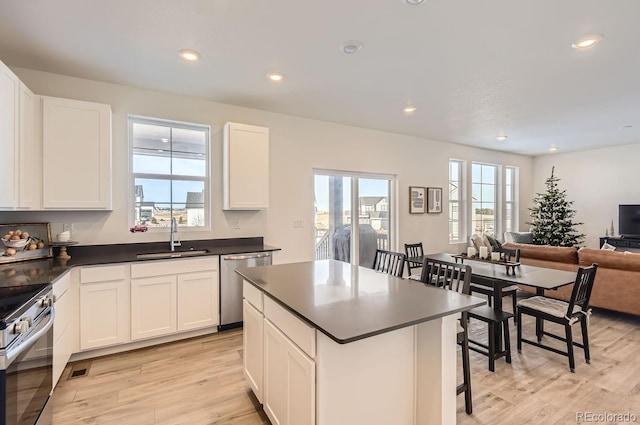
(348, 303)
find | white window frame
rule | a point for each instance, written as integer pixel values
(497, 201)
(512, 185)
(461, 202)
(206, 179)
(354, 176)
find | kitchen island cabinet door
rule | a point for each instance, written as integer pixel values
(253, 326)
(104, 314)
(289, 380)
(76, 155)
(197, 300)
(153, 306)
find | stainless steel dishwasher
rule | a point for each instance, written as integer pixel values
(231, 285)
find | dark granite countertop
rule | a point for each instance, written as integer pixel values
(348, 303)
(49, 269)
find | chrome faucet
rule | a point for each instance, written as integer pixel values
(174, 229)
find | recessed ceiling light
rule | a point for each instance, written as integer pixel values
(275, 76)
(350, 46)
(409, 109)
(165, 140)
(189, 55)
(501, 138)
(414, 2)
(553, 148)
(586, 42)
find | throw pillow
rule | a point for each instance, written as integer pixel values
(495, 244)
(607, 247)
(487, 243)
(476, 242)
(522, 237)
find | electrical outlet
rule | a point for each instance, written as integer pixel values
(67, 227)
(236, 224)
(297, 223)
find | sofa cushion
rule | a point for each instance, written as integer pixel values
(559, 254)
(518, 237)
(609, 259)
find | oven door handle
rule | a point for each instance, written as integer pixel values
(26, 344)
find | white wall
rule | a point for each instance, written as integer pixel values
(597, 181)
(298, 145)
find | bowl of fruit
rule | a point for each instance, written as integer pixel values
(16, 239)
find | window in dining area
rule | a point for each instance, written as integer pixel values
(484, 184)
(456, 201)
(511, 199)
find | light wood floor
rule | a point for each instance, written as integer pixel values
(200, 382)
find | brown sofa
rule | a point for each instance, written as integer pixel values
(617, 285)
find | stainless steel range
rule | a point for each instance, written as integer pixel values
(26, 353)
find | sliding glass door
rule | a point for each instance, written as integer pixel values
(341, 234)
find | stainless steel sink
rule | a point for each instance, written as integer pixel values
(172, 254)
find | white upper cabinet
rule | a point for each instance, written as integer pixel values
(30, 151)
(76, 143)
(9, 137)
(245, 167)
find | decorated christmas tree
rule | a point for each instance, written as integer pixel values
(552, 217)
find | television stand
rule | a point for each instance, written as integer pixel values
(631, 244)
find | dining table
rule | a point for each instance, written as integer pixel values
(496, 276)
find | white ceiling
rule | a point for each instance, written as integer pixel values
(475, 69)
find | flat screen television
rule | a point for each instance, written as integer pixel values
(629, 220)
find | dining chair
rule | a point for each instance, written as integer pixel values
(508, 255)
(563, 313)
(389, 262)
(454, 277)
(413, 250)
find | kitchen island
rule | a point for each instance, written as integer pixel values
(330, 343)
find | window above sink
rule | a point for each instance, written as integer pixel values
(169, 174)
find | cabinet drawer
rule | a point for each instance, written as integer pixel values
(101, 273)
(173, 266)
(303, 335)
(252, 294)
(62, 285)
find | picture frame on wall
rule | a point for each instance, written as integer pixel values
(434, 200)
(25, 241)
(416, 200)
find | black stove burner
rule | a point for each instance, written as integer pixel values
(14, 297)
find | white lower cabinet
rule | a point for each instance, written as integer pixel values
(278, 359)
(197, 300)
(65, 324)
(289, 378)
(173, 296)
(104, 306)
(252, 348)
(153, 306)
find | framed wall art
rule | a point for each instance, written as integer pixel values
(434, 200)
(416, 200)
(19, 242)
